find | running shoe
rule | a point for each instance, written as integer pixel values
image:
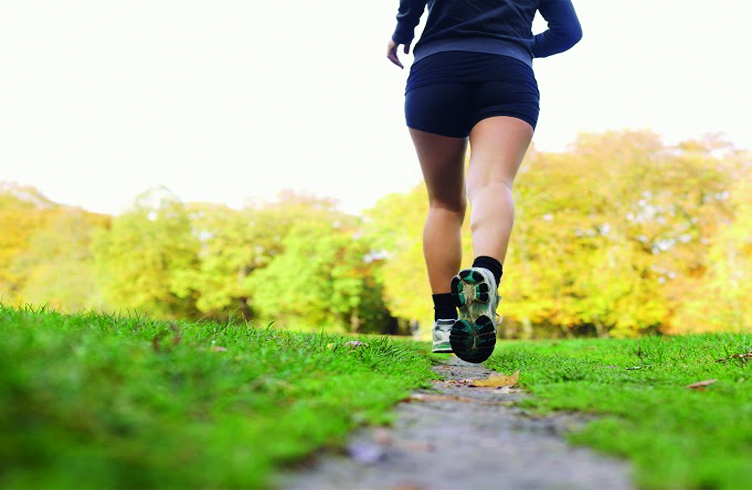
(441, 330)
(473, 336)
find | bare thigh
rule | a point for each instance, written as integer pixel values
(497, 148)
(442, 162)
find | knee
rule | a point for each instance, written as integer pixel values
(503, 186)
(455, 208)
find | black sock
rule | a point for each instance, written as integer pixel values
(443, 307)
(491, 264)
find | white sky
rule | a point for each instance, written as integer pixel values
(225, 101)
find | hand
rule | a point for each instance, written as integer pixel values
(392, 52)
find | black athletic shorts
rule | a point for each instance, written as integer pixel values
(449, 92)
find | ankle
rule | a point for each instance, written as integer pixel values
(490, 264)
(443, 307)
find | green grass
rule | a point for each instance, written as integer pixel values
(676, 437)
(91, 401)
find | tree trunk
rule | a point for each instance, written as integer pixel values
(600, 329)
(354, 321)
(245, 309)
(527, 328)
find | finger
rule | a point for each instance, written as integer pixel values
(393, 58)
(407, 47)
(392, 55)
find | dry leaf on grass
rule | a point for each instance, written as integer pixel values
(217, 348)
(496, 381)
(747, 355)
(354, 344)
(701, 384)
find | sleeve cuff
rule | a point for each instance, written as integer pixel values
(402, 34)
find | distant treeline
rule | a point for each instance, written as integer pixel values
(620, 235)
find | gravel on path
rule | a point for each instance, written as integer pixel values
(459, 437)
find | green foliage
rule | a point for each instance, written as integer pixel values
(610, 238)
(616, 246)
(324, 276)
(226, 254)
(235, 243)
(621, 235)
(675, 436)
(23, 211)
(574, 243)
(92, 401)
(395, 227)
(720, 300)
(58, 264)
(140, 257)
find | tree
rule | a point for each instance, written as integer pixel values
(139, 258)
(618, 223)
(23, 211)
(324, 276)
(58, 265)
(720, 299)
(235, 243)
(608, 235)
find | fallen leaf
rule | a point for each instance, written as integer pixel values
(736, 356)
(420, 397)
(354, 344)
(496, 381)
(702, 384)
(217, 348)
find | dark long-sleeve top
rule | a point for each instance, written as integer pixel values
(489, 26)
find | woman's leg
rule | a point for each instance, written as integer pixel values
(442, 161)
(497, 147)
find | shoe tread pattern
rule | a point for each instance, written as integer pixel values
(473, 336)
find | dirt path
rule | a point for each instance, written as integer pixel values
(457, 437)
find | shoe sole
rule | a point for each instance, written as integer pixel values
(443, 349)
(473, 336)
